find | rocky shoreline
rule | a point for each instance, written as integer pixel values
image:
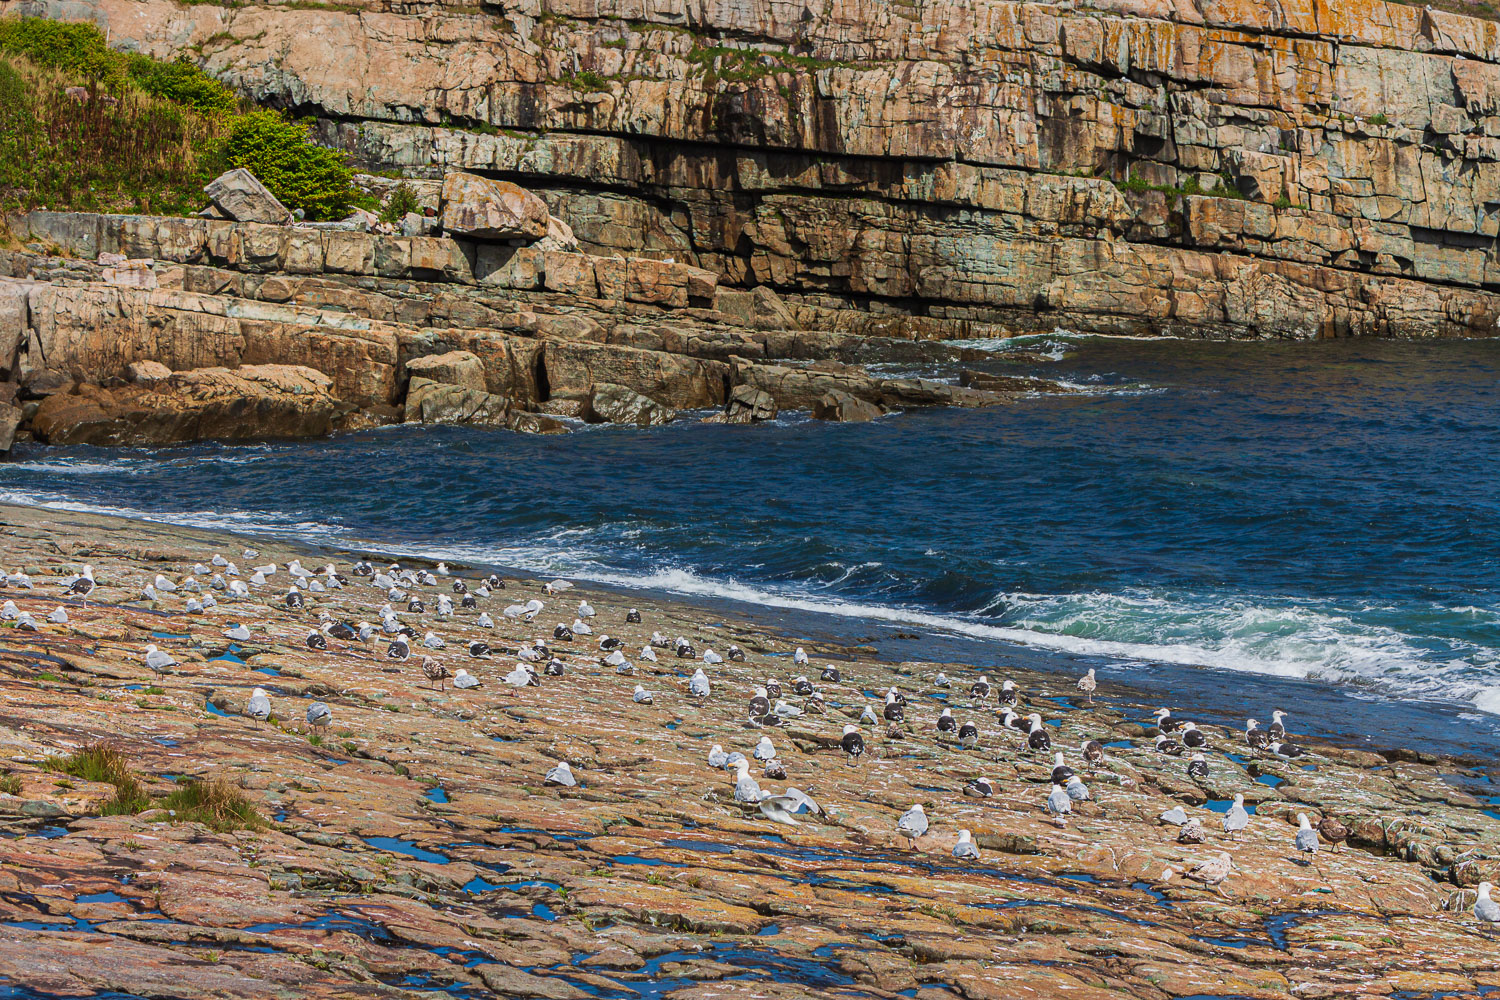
(153, 330)
(413, 848)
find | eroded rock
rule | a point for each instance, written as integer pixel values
(485, 209)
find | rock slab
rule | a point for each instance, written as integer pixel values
(239, 195)
(484, 209)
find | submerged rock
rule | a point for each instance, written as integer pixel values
(837, 405)
(432, 402)
(748, 405)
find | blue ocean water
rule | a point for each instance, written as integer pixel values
(1325, 510)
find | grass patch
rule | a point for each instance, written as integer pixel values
(403, 199)
(10, 784)
(47, 675)
(216, 804)
(1224, 187)
(105, 765)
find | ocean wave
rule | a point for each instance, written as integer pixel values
(250, 522)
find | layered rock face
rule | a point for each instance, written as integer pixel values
(960, 168)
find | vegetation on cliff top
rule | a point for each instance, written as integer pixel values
(83, 127)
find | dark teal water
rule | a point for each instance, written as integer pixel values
(1326, 511)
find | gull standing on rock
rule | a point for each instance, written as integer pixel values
(852, 743)
(259, 705)
(157, 660)
(912, 824)
(239, 633)
(698, 687)
(965, 850)
(463, 680)
(1486, 910)
(1334, 832)
(319, 715)
(745, 787)
(642, 696)
(1088, 685)
(1212, 872)
(1059, 804)
(82, 585)
(1307, 837)
(59, 616)
(765, 750)
(434, 671)
(561, 775)
(1237, 818)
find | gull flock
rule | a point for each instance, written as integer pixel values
(428, 596)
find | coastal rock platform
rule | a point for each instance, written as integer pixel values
(413, 848)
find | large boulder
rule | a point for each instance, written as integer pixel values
(460, 368)
(617, 404)
(238, 195)
(749, 405)
(485, 209)
(837, 405)
(248, 403)
(433, 402)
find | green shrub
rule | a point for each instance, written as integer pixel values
(64, 45)
(281, 154)
(402, 200)
(182, 82)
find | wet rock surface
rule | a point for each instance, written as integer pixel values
(413, 847)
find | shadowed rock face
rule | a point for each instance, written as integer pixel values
(966, 163)
(251, 402)
(414, 840)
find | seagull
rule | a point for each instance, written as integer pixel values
(965, 850)
(1197, 767)
(745, 787)
(585, 610)
(1213, 871)
(830, 674)
(893, 710)
(1176, 816)
(238, 588)
(868, 718)
(1237, 818)
(774, 770)
(698, 687)
(434, 671)
(561, 775)
(1165, 744)
(1059, 804)
(709, 656)
(980, 689)
(642, 696)
(781, 808)
(163, 585)
(463, 680)
(941, 680)
(785, 711)
(1191, 832)
(1061, 772)
(1093, 754)
(554, 668)
(1486, 910)
(647, 653)
(399, 649)
(479, 650)
(239, 633)
(1333, 831)
(632, 617)
(1307, 837)
(1255, 736)
(59, 616)
(1165, 722)
(82, 585)
(912, 824)
(519, 677)
(1278, 728)
(968, 735)
(562, 633)
(158, 661)
(1077, 790)
(484, 620)
(608, 643)
(1193, 737)
(1008, 693)
(1038, 739)
(319, 715)
(764, 750)
(800, 657)
(852, 743)
(1285, 750)
(717, 758)
(259, 705)
(1088, 684)
(980, 788)
(945, 722)
(433, 641)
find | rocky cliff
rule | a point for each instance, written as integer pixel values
(954, 168)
